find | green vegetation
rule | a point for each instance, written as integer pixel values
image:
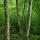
(14, 28)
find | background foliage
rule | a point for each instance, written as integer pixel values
(14, 29)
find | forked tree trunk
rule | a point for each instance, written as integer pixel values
(6, 26)
(30, 16)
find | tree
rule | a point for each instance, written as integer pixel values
(6, 26)
(24, 7)
(30, 15)
(18, 20)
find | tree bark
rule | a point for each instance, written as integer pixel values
(18, 20)
(6, 26)
(30, 16)
(24, 6)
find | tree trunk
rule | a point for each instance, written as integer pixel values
(24, 6)
(18, 20)
(6, 26)
(30, 16)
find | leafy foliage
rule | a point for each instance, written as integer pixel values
(14, 29)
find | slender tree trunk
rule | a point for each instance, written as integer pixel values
(18, 19)
(24, 5)
(30, 16)
(7, 26)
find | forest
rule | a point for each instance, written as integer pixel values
(19, 19)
